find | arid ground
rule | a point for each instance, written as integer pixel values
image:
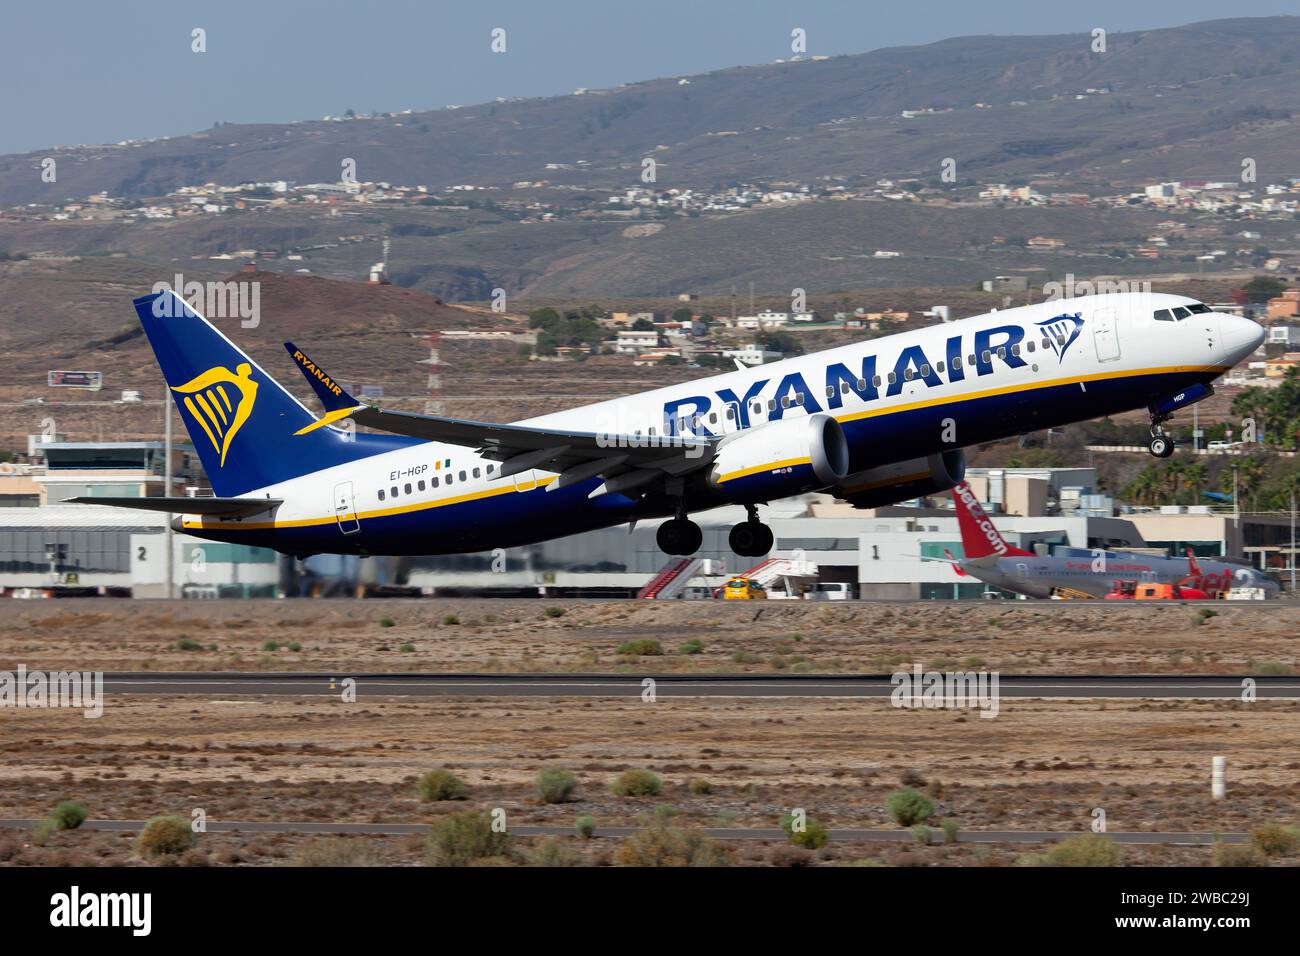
(1039, 765)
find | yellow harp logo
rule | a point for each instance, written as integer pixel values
(208, 397)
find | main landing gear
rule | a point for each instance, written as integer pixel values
(681, 535)
(1160, 445)
(751, 538)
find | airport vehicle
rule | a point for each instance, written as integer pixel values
(743, 589)
(830, 591)
(1075, 572)
(873, 422)
(1151, 591)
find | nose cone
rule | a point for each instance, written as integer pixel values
(1240, 336)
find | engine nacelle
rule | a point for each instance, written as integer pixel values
(780, 459)
(903, 480)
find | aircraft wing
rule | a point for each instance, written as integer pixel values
(216, 507)
(625, 461)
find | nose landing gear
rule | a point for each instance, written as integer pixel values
(1160, 445)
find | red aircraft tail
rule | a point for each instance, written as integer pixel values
(979, 538)
(1193, 568)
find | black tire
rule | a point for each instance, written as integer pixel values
(765, 542)
(742, 538)
(668, 538)
(1160, 446)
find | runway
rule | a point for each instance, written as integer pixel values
(857, 835)
(1105, 687)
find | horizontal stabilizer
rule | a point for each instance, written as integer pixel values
(216, 507)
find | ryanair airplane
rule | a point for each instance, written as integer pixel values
(873, 423)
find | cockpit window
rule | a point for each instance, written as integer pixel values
(1199, 307)
(1162, 315)
(1181, 313)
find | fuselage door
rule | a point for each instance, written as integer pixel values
(1105, 335)
(345, 508)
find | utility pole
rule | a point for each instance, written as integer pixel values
(167, 490)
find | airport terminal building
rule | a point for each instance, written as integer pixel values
(895, 552)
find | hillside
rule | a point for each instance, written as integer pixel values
(1179, 102)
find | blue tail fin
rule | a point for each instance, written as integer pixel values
(241, 420)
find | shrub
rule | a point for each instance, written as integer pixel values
(271, 646)
(463, 838)
(165, 836)
(912, 778)
(68, 815)
(693, 646)
(451, 619)
(1271, 669)
(386, 622)
(188, 644)
(337, 851)
(909, 807)
(642, 647)
(1086, 849)
(1273, 839)
(700, 785)
(813, 836)
(407, 648)
(441, 784)
(554, 852)
(555, 784)
(949, 826)
(661, 844)
(294, 646)
(636, 783)
(1237, 854)
(922, 833)
(555, 612)
(586, 826)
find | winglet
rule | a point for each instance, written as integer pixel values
(331, 394)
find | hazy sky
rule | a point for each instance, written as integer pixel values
(92, 71)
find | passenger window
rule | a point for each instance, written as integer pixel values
(862, 385)
(447, 477)
(407, 488)
(1047, 343)
(1029, 345)
(785, 401)
(420, 486)
(713, 418)
(908, 373)
(970, 359)
(1002, 351)
(462, 476)
(381, 494)
(695, 422)
(771, 404)
(393, 491)
(1015, 349)
(986, 357)
(939, 368)
(758, 408)
(799, 398)
(925, 371)
(956, 363)
(476, 472)
(491, 467)
(893, 377)
(844, 388)
(434, 481)
(830, 391)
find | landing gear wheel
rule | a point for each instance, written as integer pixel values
(679, 536)
(751, 539)
(1161, 446)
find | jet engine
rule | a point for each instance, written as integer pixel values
(779, 459)
(902, 480)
